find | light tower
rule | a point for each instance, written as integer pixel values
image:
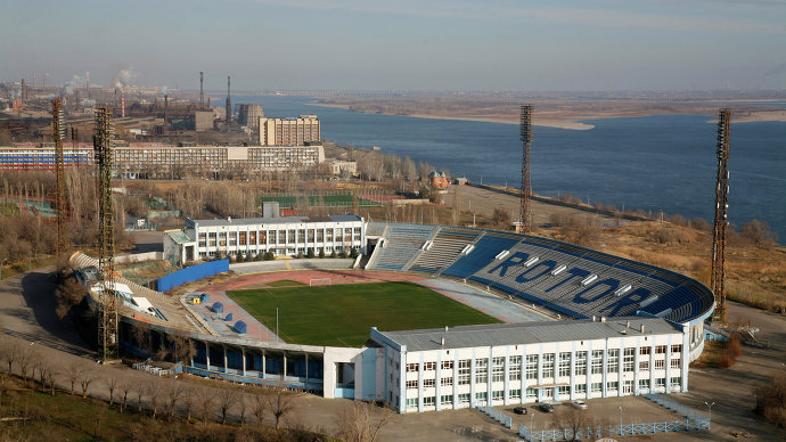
(525, 128)
(58, 135)
(107, 321)
(721, 213)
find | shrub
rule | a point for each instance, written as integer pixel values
(321, 252)
(771, 401)
(269, 256)
(758, 233)
(310, 253)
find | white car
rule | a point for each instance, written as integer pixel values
(581, 405)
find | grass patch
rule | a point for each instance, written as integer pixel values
(341, 315)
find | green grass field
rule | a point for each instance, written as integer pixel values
(341, 315)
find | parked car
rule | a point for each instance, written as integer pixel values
(545, 407)
(581, 405)
(520, 410)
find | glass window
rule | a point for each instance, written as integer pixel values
(676, 348)
(447, 365)
(612, 386)
(660, 382)
(564, 364)
(580, 388)
(531, 393)
(412, 367)
(464, 398)
(514, 370)
(660, 349)
(627, 387)
(498, 370)
(563, 390)
(412, 402)
(429, 401)
(675, 381)
(644, 365)
(412, 383)
(676, 362)
(429, 366)
(428, 383)
(628, 360)
(548, 365)
(581, 363)
(644, 384)
(481, 371)
(597, 361)
(660, 364)
(464, 371)
(446, 399)
(532, 366)
(597, 387)
(320, 235)
(644, 351)
(329, 235)
(446, 382)
(614, 360)
(481, 396)
(311, 234)
(497, 395)
(515, 393)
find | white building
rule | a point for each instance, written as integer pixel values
(510, 364)
(288, 236)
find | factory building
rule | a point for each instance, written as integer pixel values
(249, 114)
(512, 364)
(289, 131)
(283, 236)
(204, 120)
(167, 161)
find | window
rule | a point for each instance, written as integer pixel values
(660, 383)
(532, 366)
(429, 401)
(644, 365)
(581, 363)
(320, 235)
(497, 395)
(311, 234)
(645, 351)
(515, 394)
(660, 364)
(614, 360)
(531, 393)
(412, 402)
(597, 361)
(676, 362)
(464, 371)
(677, 348)
(514, 368)
(203, 240)
(464, 398)
(660, 349)
(675, 381)
(481, 371)
(412, 384)
(412, 367)
(429, 366)
(446, 382)
(243, 238)
(447, 365)
(481, 396)
(446, 399)
(301, 235)
(548, 365)
(580, 388)
(564, 364)
(597, 387)
(627, 387)
(428, 383)
(628, 359)
(644, 384)
(563, 390)
(612, 386)
(498, 369)
(329, 235)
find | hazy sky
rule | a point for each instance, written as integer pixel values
(529, 45)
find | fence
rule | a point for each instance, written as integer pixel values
(190, 274)
(640, 429)
(498, 416)
(158, 371)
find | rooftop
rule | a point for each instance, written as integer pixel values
(528, 333)
(279, 220)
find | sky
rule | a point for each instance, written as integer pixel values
(489, 45)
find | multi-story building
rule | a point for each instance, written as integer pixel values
(249, 114)
(287, 236)
(511, 364)
(289, 131)
(167, 161)
(204, 120)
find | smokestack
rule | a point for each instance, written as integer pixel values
(201, 90)
(24, 91)
(166, 109)
(122, 104)
(229, 102)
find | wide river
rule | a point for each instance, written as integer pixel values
(654, 163)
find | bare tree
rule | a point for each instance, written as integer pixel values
(243, 408)
(10, 353)
(359, 424)
(572, 423)
(188, 402)
(154, 399)
(140, 394)
(259, 408)
(174, 393)
(226, 399)
(205, 400)
(125, 390)
(72, 374)
(281, 404)
(86, 377)
(111, 383)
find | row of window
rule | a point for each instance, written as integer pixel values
(249, 238)
(563, 367)
(531, 393)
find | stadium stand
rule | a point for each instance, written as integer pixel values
(448, 245)
(403, 242)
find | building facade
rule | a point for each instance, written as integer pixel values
(249, 114)
(511, 364)
(289, 131)
(168, 161)
(285, 236)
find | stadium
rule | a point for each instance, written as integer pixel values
(425, 318)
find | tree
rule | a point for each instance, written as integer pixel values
(111, 382)
(125, 390)
(226, 399)
(358, 424)
(205, 399)
(86, 377)
(500, 217)
(281, 404)
(758, 233)
(10, 353)
(259, 408)
(72, 374)
(321, 252)
(571, 423)
(188, 402)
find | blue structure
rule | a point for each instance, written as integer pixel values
(217, 307)
(228, 317)
(191, 274)
(240, 327)
(203, 298)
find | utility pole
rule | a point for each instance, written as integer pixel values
(58, 134)
(525, 129)
(721, 213)
(108, 320)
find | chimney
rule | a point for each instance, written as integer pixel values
(166, 110)
(229, 101)
(201, 90)
(122, 104)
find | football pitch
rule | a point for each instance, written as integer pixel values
(341, 315)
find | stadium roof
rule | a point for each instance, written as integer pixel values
(279, 220)
(528, 333)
